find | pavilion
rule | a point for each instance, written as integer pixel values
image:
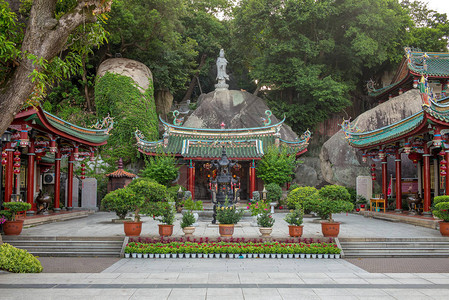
(423, 135)
(197, 147)
(38, 143)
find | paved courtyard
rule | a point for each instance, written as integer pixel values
(102, 278)
(99, 224)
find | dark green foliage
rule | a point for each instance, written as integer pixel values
(293, 187)
(441, 211)
(334, 192)
(274, 192)
(439, 199)
(118, 201)
(187, 219)
(189, 204)
(149, 190)
(353, 194)
(18, 260)
(164, 212)
(295, 217)
(298, 195)
(161, 168)
(265, 219)
(276, 166)
(13, 209)
(119, 97)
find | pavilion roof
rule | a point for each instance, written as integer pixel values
(432, 111)
(46, 122)
(200, 143)
(417, 63)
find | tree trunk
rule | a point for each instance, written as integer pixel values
(86, 88)
(44, 38)
(194, 78)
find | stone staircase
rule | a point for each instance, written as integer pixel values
(68, 246)
(395, 247)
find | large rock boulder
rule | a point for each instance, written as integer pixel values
(341, 163)
(137, 71)
(237, 109)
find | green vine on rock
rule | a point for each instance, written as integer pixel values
(120, 97)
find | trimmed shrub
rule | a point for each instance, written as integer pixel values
(18, 260)
(439, 199)
(334, 192)
(441, 211)
(274, 192)
(298, 195)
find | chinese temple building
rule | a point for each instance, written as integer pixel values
(423, 136)
(39, 141)
(197, 147)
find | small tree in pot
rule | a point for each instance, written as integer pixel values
(13, 226)
(330, 199)
(186, 223)
(441, 211)
(227, 216)
(164, 212)
(265, 221)
(295, 220)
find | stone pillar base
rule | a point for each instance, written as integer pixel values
(398, 211)
(31, 212)
(69, 208)
(427, 213)
(56, 210)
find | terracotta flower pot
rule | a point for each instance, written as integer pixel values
(188, 231)
(13, 227)
(330, 229)
(226, 229)
(265, 231)
(132, 228)
(165, 230)
(444, 228)
(295, 231)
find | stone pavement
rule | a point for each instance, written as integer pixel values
(99, 224)
(237, 278)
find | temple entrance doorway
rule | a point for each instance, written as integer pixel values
(204, 172)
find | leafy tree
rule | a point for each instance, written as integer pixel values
(29, 58)
(276, 166)
(161, 168)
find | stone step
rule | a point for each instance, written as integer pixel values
(394, 254)
(372, 249)
(63, 246)
(397, 244)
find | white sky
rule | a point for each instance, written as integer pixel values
(441, 6)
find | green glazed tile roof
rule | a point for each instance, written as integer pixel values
(364, 139)
(208, 143)
(437, 64)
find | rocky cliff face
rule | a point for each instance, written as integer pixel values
(237, 109)
(340, 163)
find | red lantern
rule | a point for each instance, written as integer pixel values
(4, 156)
(373, 176)
(415, 157)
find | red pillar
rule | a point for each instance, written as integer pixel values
(384, 179)
(9, 173)
(30, 177)
(252, 179)
(191, 178)
(57, 178)
(70, 183)
(398, 182)
(426, 180)
(447, 175)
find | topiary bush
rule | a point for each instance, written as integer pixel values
(292, 187)
(298, 195)
(274, 192)
(161, 168)
(439, 199)
(441, 211)
(334, 192)
(118, 202)
(18, 260)
(13, 209)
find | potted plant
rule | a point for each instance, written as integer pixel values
(164, 212)
(441, 211)
(330, 199)
(227, 216)
(274, 192)
(295, 220)
(12, 226)
(186, 223)
(265, 221)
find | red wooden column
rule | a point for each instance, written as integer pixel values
(252, 179)
(191, 178)
(57, 179)
(70, 183)
(9, 173)
(30, 177)
(426, 176)
(385, 180)
(398, 182)
(446, 157)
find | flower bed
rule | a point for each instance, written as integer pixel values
(226, 249)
